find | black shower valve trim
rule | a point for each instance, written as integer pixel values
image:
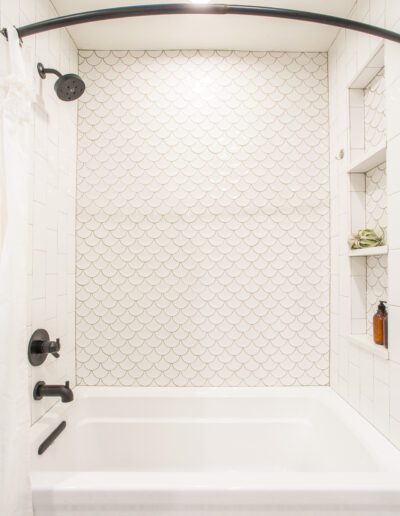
(40, 346)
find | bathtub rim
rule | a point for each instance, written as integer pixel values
(193, 489)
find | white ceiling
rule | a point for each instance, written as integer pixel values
(227, 32)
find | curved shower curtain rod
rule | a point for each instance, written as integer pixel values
(160, 9)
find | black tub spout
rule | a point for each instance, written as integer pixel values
(42, 390)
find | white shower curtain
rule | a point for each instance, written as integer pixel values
(16, 150)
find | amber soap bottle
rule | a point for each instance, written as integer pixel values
(380, 324)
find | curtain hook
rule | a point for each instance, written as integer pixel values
(19, 37)
(4, 32)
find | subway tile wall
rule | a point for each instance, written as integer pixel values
(203, 219)
(369, 383)
(51, 277)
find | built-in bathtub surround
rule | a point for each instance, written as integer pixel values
(203, 219)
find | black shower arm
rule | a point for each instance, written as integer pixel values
(52, 71)
(159, 9)
(44, 71)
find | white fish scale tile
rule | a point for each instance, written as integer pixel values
(376, 218)
(203, 219)
(374, 112)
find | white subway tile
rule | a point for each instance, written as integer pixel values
(393, 220)
(51, 252)
(377, 12)
(359, 267)
(358, 326)
(51, 296)
(381, 370)
(394, 283)
(393, 109)
(39, 227)
(394, 333)
(39, 275)
(367, 375)
(381, 407)
(354, 386)
(357, 211)
(392, 166)
(367, 407)
(392, 13)
(357, 129)
(357, 183)
(358, 296)
(395, 390)
(38, 313)
(40, 180)
(395, 431)
(392, 62)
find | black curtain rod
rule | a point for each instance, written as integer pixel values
(158, 9)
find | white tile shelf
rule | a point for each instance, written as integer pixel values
(370, 251)
(369, 160)
(366, 343)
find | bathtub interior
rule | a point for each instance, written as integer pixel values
(264, 431)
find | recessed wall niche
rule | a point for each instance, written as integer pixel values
(368, 198)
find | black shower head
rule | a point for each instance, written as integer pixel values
(68, 87)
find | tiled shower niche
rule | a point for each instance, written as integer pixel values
(368, 198)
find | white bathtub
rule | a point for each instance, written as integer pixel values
(241, 452)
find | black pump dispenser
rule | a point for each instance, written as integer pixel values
(382, 306)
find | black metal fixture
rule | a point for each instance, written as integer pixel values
(40, 346)
(161, 9)
(41, 390)
(68, 87)
(51, 438)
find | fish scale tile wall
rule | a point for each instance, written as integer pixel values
(203, 219)
(375, 191)
(376, 218)
(374, 111)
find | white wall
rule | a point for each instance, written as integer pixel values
(203, 219)
(51, 277)
(369, 382)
